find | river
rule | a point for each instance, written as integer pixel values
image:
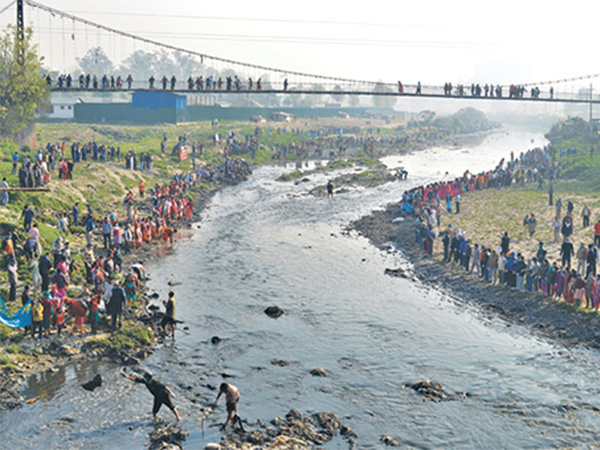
(264, 243)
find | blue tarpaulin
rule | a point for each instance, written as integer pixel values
(19, 320)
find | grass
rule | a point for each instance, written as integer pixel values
(131, 336)
(485, 215)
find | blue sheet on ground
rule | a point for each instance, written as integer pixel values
(19, 320)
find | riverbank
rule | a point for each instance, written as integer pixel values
(23, 356)
(543, 316)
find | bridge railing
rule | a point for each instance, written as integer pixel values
(182, 87)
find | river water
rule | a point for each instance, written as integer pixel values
(267, 243)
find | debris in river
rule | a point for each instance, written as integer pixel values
(274, 312)
(93, 384)
(174, 283)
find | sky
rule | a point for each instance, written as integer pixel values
(429, 41)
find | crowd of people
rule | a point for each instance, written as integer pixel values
(235, 83)
(193, 83)
(498, 263)
(108, 287)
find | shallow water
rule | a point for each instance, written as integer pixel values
(266, 243)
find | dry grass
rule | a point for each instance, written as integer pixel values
(485, 215)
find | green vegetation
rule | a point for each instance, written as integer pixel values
(571, 141)
(6, 363)
(22, 90)
(132, 335)
(13, 348)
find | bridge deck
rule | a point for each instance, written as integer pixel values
(556, 99)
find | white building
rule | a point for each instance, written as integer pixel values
(62, 111)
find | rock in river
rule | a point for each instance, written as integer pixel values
(93, 384)
(274, 312)
(430, 390)
(389, 440)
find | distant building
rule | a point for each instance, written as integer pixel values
(62, 111)
(158, 100)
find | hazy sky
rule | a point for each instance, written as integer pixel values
(427, 41)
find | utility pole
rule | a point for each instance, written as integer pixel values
(20, 30)
(591, 110)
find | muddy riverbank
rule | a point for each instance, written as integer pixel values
(545, 317)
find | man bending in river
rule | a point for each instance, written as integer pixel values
(232, 396)
(162, 394)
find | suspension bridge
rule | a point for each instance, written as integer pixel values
(79, 62)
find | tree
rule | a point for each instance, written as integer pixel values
(338, 97)
(383, 101)
(95, 62)
(22, 89)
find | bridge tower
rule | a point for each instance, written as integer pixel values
(20, 29)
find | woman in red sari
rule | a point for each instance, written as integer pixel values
(188, 209)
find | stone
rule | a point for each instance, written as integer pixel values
(389, 440)
(318, 372)
(431, 390)
(212, 446)
(215, 340)
(274, 312)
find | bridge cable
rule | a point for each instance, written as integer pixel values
(3, 10)
(51, 10)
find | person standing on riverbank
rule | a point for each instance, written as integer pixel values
(581, 258)
(531, 225)
(505, 243)
(232, 397)
(37, 319)
(115, 306)
(585, 214)
(457, 203)
(597, 234)
(558, 207)
(556, 225)
(566, 251)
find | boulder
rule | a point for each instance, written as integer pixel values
(274, 312)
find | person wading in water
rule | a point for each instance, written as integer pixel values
(232, 396)
(169, 318)
(162, 394)
(330, 187)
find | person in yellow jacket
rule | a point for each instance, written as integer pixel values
(37, 318)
